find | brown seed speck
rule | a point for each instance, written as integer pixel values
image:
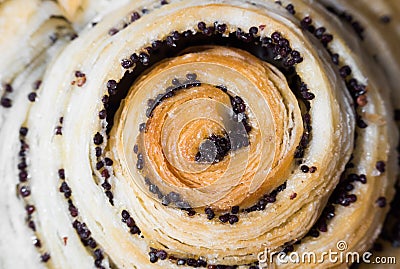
(306, 22)
(253, 30)
(113, 31)
(125, 215)
(144, 58)
(98, 139)
(112, 86)
(23, 176)
(79, 74)
(108, 161)
(37, 243)
(8, 87)
(385, 19)
(201, 25)
(235, 209)
(210, 213)
(224, 218)
(99, 165)
(381, 201)
(73, 36)
(103, 114)
(304, 168)
(313, 169)
(73, 210)
(105, 173)
(135, 16)
(32, 225)
(126, 63)
(36, 84)
(24, 191)
(397, 114)
(142, 127)
(61, 173)
(335, 58)
(233, 219)
(58, 130)
(30, 209)
(362, 100)
(81, 81)
(23, 131)
(361, 123)
(362, 178)
(106, 185)
(65, 240)
(6, 102)
(98, 151)
(290, 8)
(45, 257)
(32, 96)
(377, 247)
(380, 166)
(21, 166)
(293, 195)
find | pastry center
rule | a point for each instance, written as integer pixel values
(214, 138)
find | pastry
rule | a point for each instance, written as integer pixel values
(180, 134)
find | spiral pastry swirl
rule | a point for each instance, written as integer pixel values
(180, 134)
